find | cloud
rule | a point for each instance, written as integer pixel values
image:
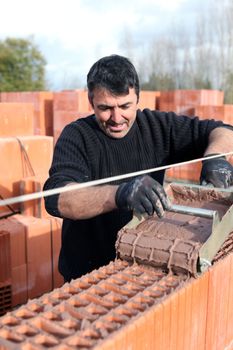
(72, 34)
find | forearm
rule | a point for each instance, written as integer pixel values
(87, 202)
(220, 141)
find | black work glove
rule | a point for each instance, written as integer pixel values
(142, 195)
(217, 171)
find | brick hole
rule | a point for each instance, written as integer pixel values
(70, 289)
(81, 284)
(71, 324)
(28, 346)
(24, 313)
(27, 330)
(136, 306)
(144, 299)
(91, 333)
(51, 328)
(116, 289)
(116, 281)
(107, 271)
(116, 318)
(90, 279)
(125, 311)
(132, 279)
(96, 310)
(97, 300)
(52, 316)
(45, 340)
(120, 264)
(11, 336)
(48, 300)
(60, 295)
(134, 287)
(96, 290)
(78, 302)
(10, 321)
(133, 270)
(35, 307)
(99, 275)
(105, 327)
(154, 293)
(73, 312)
(80, 342)
(116, 298)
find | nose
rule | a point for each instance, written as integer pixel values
(116, 115)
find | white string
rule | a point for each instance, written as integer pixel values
(41, 194)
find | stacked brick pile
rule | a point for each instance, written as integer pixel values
(29, 237)
(30, 125)
(206, 104)
(123, 306)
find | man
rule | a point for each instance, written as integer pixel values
(119, 139)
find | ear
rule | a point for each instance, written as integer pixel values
(90, 99)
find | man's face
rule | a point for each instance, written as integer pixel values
(114, 114)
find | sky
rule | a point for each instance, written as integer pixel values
(73, 34)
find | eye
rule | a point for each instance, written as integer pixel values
(125, 106)
(103, 108)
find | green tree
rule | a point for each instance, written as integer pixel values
(22, 66)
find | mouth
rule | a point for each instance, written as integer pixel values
(117, 127)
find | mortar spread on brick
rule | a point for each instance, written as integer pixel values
(174, 241)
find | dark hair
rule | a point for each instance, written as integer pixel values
(114, 73)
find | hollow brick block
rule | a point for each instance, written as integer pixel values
(56, 227)
(16, 231)
(34, 207)
(218, 304)
(38, 251)
(43, 108)
(62, 118)
(19, 285)
(192, 98)
(5, 261)
(147, 99)
(22, 157)
(16, 119)
(223, 113)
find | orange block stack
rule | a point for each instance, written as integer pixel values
(30, 238)
(148, 99)
(43, 108)
(206, 104)
(68, 106)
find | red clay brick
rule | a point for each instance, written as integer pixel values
(218, 301)
(5, 260)
(19, 285)
(56, 226)
(224, 113)
(192, 97)
(43, 108)
(35, 207)
(62, 118)
(16, 119)
(229, 330)
(17, 236)
(27, 156)
(147, 99)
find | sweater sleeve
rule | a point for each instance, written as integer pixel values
(70, 164)
(183, 138)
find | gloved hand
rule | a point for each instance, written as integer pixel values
(217, 171)
(143, 195)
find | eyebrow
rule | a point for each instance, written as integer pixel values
(108, 106)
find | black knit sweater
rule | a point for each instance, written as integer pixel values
(84, 153)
